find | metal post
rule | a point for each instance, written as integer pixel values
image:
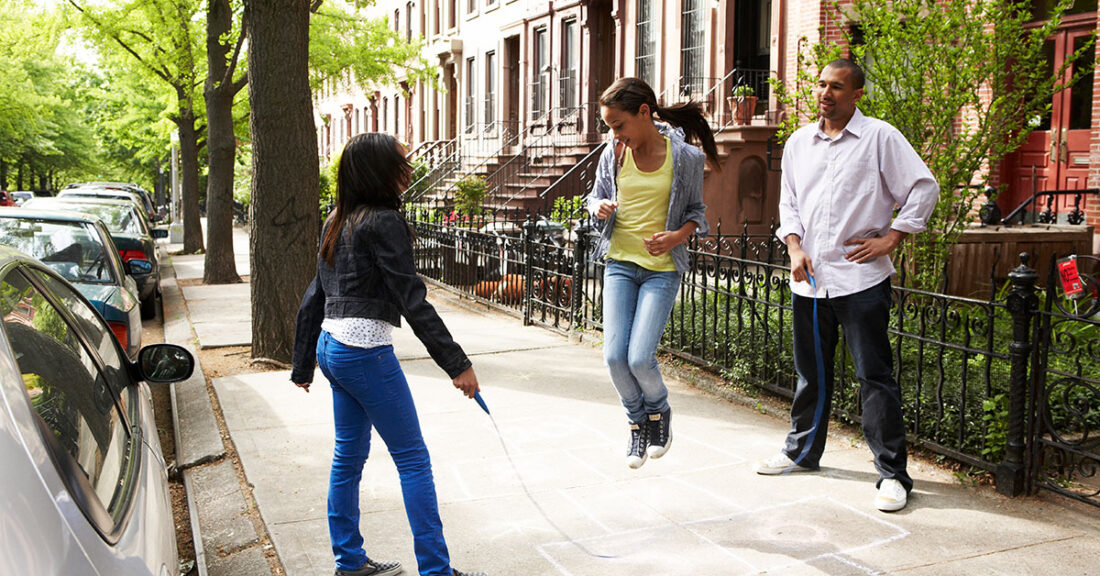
(580, 273)
(1022, 305)
(528, 267)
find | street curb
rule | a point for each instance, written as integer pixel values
(200, 450)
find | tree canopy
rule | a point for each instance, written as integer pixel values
(44, 98)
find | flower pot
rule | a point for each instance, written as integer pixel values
(744, 108)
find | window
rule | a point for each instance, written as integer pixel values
(471, 94)
(73, 249)
(646, 47)
(452, 8)
(541, 72)
(408, 21)
(82, 402)
(397, 21)
(568, 80)
(692, 82)
(397, 118)
(471, 6)
(490, 89)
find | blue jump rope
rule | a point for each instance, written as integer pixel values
(526, 490)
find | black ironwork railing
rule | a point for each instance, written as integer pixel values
(741, 89)
(433, 165)
(531, 173)
(1049, 215)
(972, 387)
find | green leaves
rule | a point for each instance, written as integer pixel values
(42, 96)
(963, 80)
(342, 41)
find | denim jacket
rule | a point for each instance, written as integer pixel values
(685, 200)
(372, 276)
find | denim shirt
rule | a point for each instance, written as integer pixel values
(372, 276)
(685, 200)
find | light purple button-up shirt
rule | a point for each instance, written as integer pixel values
(838, 189)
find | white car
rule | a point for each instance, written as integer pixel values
(85, 487)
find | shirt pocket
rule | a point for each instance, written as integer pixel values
(855, 182)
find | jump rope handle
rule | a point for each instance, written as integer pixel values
(480, 401)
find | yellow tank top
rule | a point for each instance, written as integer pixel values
(642, 212)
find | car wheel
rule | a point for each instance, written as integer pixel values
(149, 307)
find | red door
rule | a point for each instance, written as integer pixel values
(1056, 154)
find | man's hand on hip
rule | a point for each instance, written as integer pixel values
(867, 249)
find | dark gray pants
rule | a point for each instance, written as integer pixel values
(865, 317)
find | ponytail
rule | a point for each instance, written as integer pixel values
(689, 116)
(629, 94)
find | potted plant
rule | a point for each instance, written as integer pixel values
(743, 102)
(470, 192)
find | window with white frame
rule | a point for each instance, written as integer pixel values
(471, 94)
(540, 71)
(646, 42)
(692, 37)
(490, 90)
(568, 78)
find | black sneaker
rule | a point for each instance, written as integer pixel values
(636, 451)
(457, 573)
(660, 433)
(372, 568)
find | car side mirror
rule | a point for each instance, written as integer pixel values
(139, 266)
(160, 232)
(164, 363)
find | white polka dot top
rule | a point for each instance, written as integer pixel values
(359, 332)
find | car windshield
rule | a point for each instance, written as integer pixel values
(119, 218)
(73, 249)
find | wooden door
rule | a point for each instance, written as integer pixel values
(1055, 155)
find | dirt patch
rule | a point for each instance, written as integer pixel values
(231, 361)
(152, 332)
(199, 282)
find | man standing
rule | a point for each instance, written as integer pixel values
(842, 179)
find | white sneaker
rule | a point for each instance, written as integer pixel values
(891, 496)
(777, 464)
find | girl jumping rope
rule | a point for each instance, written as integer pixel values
(648, 199)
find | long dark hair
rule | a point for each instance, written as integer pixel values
(373, 173)
(628, 95)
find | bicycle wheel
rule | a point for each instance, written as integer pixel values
(1086, 303)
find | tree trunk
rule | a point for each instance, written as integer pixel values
(285, 172)
(219, 266)
(189, 180)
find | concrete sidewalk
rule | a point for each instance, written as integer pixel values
(699, 510)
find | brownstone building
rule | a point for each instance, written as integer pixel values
(519, 78)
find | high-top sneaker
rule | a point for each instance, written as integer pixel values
(660, 433)
(639, 439)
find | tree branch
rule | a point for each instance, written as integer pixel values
(163, 74)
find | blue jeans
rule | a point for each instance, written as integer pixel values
(369, 388)
(865, 318)
(636, 305)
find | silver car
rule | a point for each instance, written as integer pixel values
(85, 488)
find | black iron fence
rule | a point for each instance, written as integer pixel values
(1002, 384)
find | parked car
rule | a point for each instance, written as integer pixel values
(21, 196)
(85, 483)
(130, 230)
(80, 248)
(5, 199)
(144, 198)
